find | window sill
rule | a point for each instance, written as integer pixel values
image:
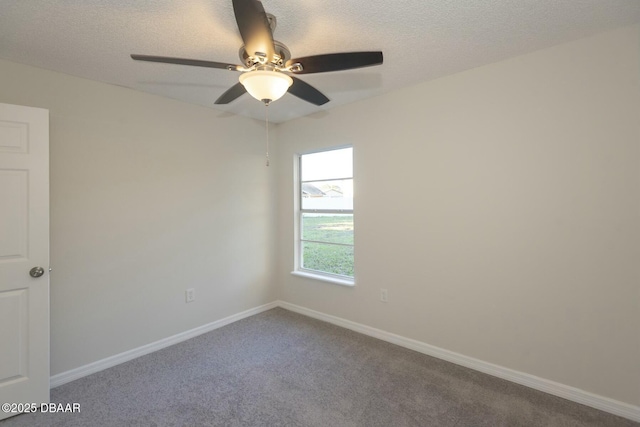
(323, 278)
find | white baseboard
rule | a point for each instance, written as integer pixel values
(92, 368)
(602, 403)
(606, 404)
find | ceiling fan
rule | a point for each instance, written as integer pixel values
(268, 69)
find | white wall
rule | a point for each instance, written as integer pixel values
(513, 233)
(149, 197)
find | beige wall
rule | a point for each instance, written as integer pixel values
(501, 209)
(149, 197)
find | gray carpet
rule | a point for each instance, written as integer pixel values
(279, 368)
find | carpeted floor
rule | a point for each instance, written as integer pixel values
(279, 368)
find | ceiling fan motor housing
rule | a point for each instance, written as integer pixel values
(282, 55)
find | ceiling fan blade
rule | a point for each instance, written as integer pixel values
(307, 92)
(183, 61)
(231, 94)
(254, 28)
(336, 61)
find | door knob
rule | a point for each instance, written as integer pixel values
(36, 272)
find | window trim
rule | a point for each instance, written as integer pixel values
(325, 277)
(298, 269)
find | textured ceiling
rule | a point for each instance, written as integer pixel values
(421, 40)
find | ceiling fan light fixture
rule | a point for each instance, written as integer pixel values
(264, 85)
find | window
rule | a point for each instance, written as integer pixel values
(325, 217)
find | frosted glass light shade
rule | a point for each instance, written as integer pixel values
(262, 84)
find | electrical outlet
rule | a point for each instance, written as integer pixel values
(190, 295)
(384, 295)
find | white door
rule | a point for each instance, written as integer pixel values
(24, 244)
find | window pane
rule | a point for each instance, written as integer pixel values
(337, 195)
(328, 258)
(327, 165)
(328, 228)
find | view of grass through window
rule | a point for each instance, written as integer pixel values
(326, 212)
(319, 231)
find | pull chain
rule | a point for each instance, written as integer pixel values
(266, 117)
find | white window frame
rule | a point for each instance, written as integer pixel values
(298, 269)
